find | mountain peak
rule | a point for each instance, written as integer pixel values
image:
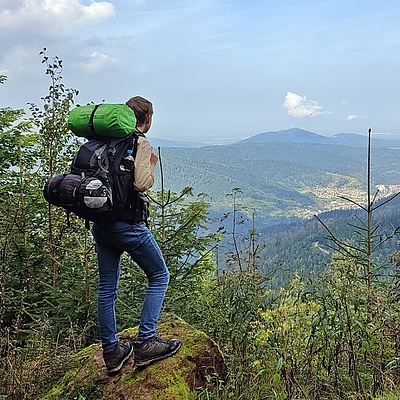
(291, 135)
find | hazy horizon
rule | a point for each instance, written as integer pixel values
(215, 68)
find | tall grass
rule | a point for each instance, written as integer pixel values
(29, 362)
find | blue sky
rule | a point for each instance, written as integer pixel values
(216, 70)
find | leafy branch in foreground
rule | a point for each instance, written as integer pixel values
(367, 232)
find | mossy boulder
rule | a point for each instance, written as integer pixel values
(198, 363)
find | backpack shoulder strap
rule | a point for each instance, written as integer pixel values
(135, 135)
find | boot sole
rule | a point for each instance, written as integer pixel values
(143, 363)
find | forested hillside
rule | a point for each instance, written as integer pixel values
(285, 179)
(282, 179)
(306, 246)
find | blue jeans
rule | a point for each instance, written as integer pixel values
(137, 240)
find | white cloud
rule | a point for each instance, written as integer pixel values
(51, 17)
(298, 106)
(98, 62)
(351, 117)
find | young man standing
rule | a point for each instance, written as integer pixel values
(133, 236)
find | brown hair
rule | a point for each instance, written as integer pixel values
(141, 107)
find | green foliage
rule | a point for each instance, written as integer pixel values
(51, 119)
(20, 209)
(46, 279)
(180, 229)
(43, 279)
(335, 337)
(309, 340)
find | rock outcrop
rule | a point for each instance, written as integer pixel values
(198, 364)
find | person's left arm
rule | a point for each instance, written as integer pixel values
(145, 162)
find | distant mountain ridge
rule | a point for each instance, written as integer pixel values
(292, 135)
(296, 135)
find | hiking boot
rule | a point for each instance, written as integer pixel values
(114, 359)
(154, 349)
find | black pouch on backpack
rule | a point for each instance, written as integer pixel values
(78, 194)
(96, 189)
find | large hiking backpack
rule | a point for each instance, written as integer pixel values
(97, 189)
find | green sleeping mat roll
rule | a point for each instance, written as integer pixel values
(107, 120)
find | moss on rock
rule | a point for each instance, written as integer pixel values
(199, 363)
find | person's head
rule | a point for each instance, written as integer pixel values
(143, 110)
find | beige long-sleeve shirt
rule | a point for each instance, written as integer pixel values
(144, 170)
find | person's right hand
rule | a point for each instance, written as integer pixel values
(153, 159)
